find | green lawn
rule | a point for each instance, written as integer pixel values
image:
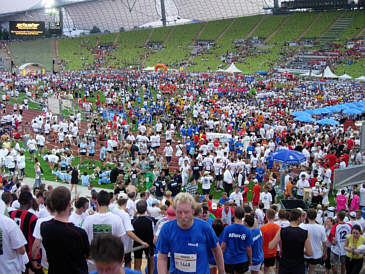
(37, 51)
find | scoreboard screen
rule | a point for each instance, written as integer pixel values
(26, 28)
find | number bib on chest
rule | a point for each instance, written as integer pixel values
(185, 262)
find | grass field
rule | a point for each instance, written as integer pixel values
(37, 51)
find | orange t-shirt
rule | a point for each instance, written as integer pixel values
(288, 189)
(268, 233)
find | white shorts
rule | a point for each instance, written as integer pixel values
(255, 267)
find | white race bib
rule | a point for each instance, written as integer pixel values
(185, 262)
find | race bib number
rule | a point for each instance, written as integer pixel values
(185, 262)
(134, 176)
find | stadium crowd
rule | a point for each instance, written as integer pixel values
(169, 144)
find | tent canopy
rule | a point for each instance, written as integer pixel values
(328, 73)
(233, 69)
(345, 77)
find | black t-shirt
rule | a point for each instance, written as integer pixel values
(273, 194)
(196, 170)
(114, 175)
(292, 242)
(174, 188)
(67, 247)
(74, 176)
(143, 228)
(134, 149)
(159, 186)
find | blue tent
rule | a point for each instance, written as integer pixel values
(261, 72)
(304, 118)
(290, 157)
(328, 122)
(352, 111)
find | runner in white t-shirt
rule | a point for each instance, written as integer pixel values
(236, 196)
(103, 221)
(266, 198)
(317, 235)
(120, 210)
(13, 246)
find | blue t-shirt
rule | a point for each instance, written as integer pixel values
(237, 238)
(270, 160)
(127, 271)
(260, 174)
(250, 150)
(257, 251)
(222, 201)
(85, 180)
(188, 248)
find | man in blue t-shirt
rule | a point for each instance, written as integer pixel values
(257, 251)
(260, 171)
(237, 245)
(187, 240)
(224, 198)
(107, 251)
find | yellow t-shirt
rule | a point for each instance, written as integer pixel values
(355, 245)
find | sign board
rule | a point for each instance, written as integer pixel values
(223, 137)
(353, 175)
(26, 28)
(54, 105)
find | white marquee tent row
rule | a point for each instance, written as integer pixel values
(327, 73)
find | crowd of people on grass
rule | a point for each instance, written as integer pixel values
(170, 144)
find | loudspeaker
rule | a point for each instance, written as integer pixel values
(293, 204)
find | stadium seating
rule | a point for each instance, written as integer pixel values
(175, 43)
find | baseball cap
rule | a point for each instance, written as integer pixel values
(122, 195)
(171, 213)
(353, 214)
(317, 184)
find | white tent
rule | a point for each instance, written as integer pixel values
(317, 75)
(305, 74)
(345, 77)
(149, 68)
(232, 68)
(220, 70)
(361, 78)
(328, 73)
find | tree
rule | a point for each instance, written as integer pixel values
(95, 29)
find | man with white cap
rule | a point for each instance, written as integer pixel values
(353, 220)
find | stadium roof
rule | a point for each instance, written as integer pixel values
(111, 15)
